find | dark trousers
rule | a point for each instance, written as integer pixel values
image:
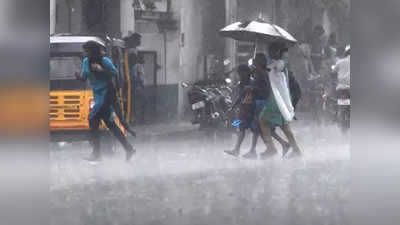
(104, 114)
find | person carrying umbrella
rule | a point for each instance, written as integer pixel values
(278, 110)
(252, 99)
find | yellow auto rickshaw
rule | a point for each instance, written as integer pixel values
(71, 100)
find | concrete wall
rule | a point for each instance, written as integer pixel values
(169, 59)
(154, 42)
(78, 20)
(61, 17)
(191, 54)
(180, 53)
(52, 16)
(127, 17)
(182, 59)
(231, 16)
(111, 21)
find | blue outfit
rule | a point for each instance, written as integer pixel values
(258, 105)
(102, 109)
(262, 92)
(98, 81)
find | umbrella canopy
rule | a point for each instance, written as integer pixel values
(255, 31)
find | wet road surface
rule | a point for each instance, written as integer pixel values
(187, 179)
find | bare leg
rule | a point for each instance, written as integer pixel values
(95, 138)
(266, 133)
(278, 138)
(254, 141)
(116, 131)
(252, 154)
(292, 141)
(236, 150)
(240, 140)
(285, 145)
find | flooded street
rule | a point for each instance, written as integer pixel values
(187, 179)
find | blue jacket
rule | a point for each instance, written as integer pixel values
(98, 81)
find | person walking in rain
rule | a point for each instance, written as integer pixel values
(246, 114)
(261, 91)
(278, 110)
(318, 43)
(99, 71)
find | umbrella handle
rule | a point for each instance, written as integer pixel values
(255, 49)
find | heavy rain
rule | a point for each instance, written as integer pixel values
(200, 112)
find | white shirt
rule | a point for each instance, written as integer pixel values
(342, 67)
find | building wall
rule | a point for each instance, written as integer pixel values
(191, 58)
(167, 46)
(231, 16)
(108, 23)
(153, 40)
(61, 17)
(183, 59)
(181, 53)
(127, 17)
(52, 16)
(79, 9)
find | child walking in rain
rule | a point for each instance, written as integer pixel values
(278, 110)
(246, 111)
(251, 104)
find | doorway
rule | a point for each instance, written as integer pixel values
(147, 110)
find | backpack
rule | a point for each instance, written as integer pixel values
(295, 90)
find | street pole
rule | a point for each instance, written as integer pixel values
(127, 17)
(230, 45)
(68, 3)
(273, 11)
(52, 16)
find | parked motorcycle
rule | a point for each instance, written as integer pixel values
(210, 106)
(339, 103)
(317, 95)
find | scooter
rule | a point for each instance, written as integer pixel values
(209, 105)
(342, 104)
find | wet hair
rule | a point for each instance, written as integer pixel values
(260, 58)
(93, 50)
(319, 29)
(276, 50)
(244, 73)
